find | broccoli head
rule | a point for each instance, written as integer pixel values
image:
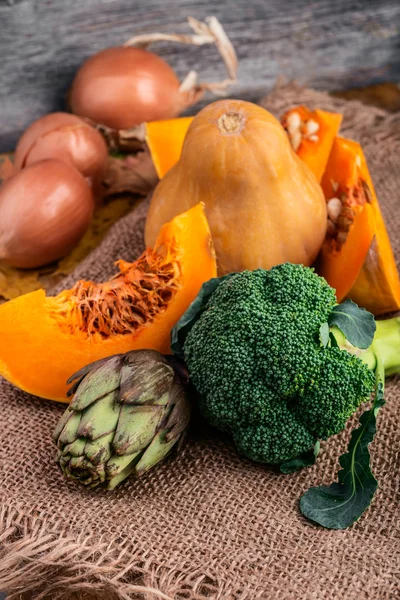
(256, 359)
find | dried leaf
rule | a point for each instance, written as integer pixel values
(123, 140)
(104, 217)
(132, 174)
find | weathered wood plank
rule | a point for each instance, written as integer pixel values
(330, 45)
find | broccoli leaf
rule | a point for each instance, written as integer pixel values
(357, 324)
(324, 334)
(192, 314)
(339, 505)
(305, 459)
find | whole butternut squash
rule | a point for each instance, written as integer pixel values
(263, 204)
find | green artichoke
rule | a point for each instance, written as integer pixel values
(127, 412)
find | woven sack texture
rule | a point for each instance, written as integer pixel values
(205, 524)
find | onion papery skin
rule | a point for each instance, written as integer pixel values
(122, 87)
(44, 211)
(64, 137)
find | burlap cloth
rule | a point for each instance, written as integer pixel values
(206, 523)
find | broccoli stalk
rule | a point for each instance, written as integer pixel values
(339, 505)
(385, 347)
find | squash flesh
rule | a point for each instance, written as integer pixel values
(165, 140)
(364, 269)
(315, 149)
(38, 353)
(378, 284)
(341, 268)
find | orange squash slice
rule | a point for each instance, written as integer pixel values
(44, 340)
(165, 141)
(311, 134)
(356, 257)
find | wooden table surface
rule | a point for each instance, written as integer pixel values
(332, 45)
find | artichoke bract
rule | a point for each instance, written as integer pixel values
(127, 412)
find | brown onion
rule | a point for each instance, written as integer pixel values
(65, 137)
(44, 211)
(125, 86)
(122, 87)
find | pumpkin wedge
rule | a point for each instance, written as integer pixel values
(165, 141)
(44, 340)
(311, 133)
(356, 257)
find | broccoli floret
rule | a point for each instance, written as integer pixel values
(256, 359)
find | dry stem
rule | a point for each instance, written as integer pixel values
(209, 32)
